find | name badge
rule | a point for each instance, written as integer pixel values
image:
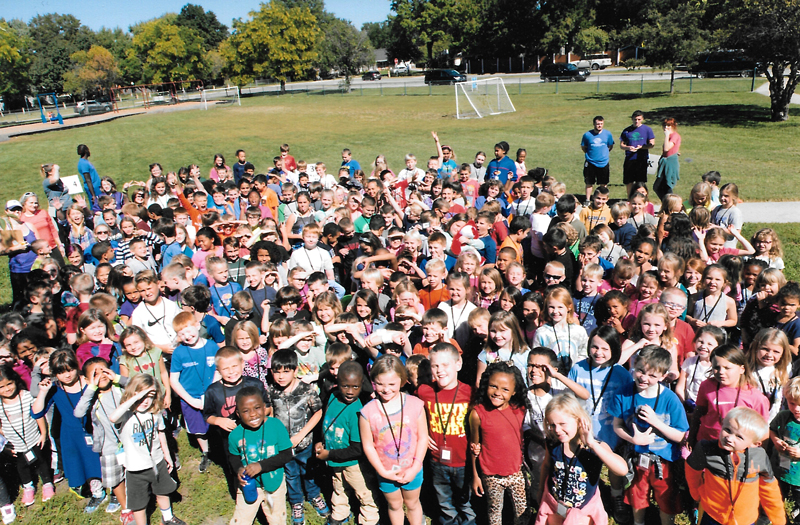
(30, 457)
(446, 455)
(395, 468)
(786, 462)
(89, 440)
(562, 509)
(644, 462)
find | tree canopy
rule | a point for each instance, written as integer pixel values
(166, 51)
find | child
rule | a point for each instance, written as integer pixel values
(610, 251)
(190, 374)
(732, 384)
(639, 214)
(651, 418)
(310, 355)
(197, 300)
(341, 448)
(496, 440)
(584, 304)
(652, 327)
(491, 282)
(297, 405)
(311, 257)
(81, 463)
(518, 230)
(647, 292)
(735, 464)
(598, 212)
(768, 248)
(713, 306)
(505, 343)
(82, 286)
(154, 314)
(457, 308)
(245, 338)
(434, 330)
(368, 311)
(94, 330)
(141, 432)
(560, 331)
(573, 469)
(712, 244)
(435, 292)
(395, 456)
(770, 359)
(222, 291)
(697, 368)
(785, 435)
(27, 436)
(484, 223)
(727, 214)
(446, 405)
(469, 263)
(101, 397)
(693, 274)
(235, 263)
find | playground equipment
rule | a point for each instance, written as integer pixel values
(50, 116)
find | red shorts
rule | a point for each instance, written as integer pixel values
(664, 490)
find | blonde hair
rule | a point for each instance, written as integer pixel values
(562, 295)
(570, 405)
(748, 420)
(772, 336)
(776, 250)
(373, 275)
(141, 382)
(671, 204)
(620, 209)
(250, 329)
(791, 390)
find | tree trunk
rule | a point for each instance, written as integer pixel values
(283, 87)
(672, 81)
(430, 52)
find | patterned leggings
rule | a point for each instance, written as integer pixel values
(495, 488)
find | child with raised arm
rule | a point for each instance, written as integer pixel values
(651, 418)
(141, 432)
(259, 447)
(731, 476)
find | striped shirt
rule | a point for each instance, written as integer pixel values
(18, 425)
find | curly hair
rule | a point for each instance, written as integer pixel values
(519, 399)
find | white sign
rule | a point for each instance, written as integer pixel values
(73, 184)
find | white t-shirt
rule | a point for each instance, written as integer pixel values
(456, 316)
(139, 437)
(694, 375)
(415, 175)
(316, 260)
(156, 320)
(539, 224)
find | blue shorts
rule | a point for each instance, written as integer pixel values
(388, 486)
(193, 419)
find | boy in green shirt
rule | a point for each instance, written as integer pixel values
(259, 447)
(342, 448)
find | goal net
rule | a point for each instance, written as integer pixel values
(225, 95)
(480, 98)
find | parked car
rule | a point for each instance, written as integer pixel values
(563, 72)
(400, 69)
(724, 63)
(92, 106)
(371, 75)
(443, 76)
(594, 62)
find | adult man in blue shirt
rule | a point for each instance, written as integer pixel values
(636, 141)
(596, 144)
(349, 163)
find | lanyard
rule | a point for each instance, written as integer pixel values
(148, 444)
(558, 344)
(21, 418)
(735, 403)
(100, 401)
(308, 256)
(220, 298)
(156, 320)
(452, 312)
(658, 396)
(450, 414)
(396, 440)
(696, 364)
(335, 418)
(565, 479)
(599, 398)
(770, 396)
(707, 315)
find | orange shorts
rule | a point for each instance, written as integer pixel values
(665, 490)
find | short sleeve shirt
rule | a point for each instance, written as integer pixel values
(139, 436)
(195, 366)
(295, 408)
(597, 145)
(787, 428)
(393, 447)
(633, 136)
(255, 445)
(602, 384)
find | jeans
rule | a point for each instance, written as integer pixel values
(298, 477)
(452, 491)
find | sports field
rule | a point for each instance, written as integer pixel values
(728, 132)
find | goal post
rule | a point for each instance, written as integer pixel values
(224, 95)
(481, 98)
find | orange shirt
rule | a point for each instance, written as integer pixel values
(431, 298)
(513, 244)
(270, 199)
(424, 347)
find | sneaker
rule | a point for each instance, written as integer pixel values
(76, 492)
(298, 514)
(58, 476)
(28, 496)
(204, 462)
(48, 491)
(621, 510)
(94, 503)
(126, 517)
(177, 463)
(9, 513)
(174, 521)
(320, 506)
(113, 505)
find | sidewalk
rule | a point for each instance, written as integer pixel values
(771, 211)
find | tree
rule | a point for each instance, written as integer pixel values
(768, 32)
(671, 37)
(277, 42)
(379, 33)
(345, 48)
(94, 70)
(166, 52)
(15, 60)
(54, 38)
(205, 23)
(429, 22)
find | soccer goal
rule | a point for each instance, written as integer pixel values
(480, 98)
(225, 95)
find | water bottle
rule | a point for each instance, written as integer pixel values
(250, 490)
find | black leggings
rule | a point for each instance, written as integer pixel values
(41, 465)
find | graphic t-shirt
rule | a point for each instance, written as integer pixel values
(295, 408)
(597, 145)
(139, 436)
(395, 443)
(196, 367)
(574, 480)
(264, 442)
(787, 428)
(447, 412)
(340, 427)
(633, 136)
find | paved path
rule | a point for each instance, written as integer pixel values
(771, 211)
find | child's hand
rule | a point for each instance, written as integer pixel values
(648, 415)
(399, 338)
(407, 475)
(477, 486)
(167, 401)
(585, 429)
(45, 385)
(309, 378)
(170, 464)
(43, 440)
(253, 469)
(226, 424)
(196, 403)
(321, 453)
(642, 438)
(475, 448)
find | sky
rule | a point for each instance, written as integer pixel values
(124, 13)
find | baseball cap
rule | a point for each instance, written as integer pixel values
(10, 205)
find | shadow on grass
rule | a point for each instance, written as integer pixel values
(729, 115)
(627, 96)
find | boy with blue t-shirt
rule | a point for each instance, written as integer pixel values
(651, 418)
(586, 297)
(223, 290)
(484, 224)
(171, 247)
(597, 144)
(259, 447)
(341, 448)
(190, 374)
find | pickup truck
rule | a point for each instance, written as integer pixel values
(595, 62)
(400, 69)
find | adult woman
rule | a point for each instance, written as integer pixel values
(57, 194)
(219, 164)
(668, 167)
(42, 224)
(91, 180)
(20, 255)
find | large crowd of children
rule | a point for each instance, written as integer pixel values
(382, 347)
